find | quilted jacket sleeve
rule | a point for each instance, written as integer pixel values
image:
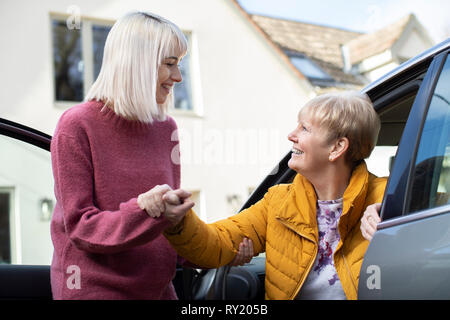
(214, 245)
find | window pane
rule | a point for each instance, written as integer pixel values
(182, 90)
(308, 68)
(68, 63)
(99, 34)
(26, 175)
(431, 181)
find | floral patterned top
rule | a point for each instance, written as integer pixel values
(323, 282)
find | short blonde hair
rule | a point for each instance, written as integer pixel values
(134, 50)
(347, 114)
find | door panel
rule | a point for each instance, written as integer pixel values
(24, 282)
(412, 261)
(409, 256)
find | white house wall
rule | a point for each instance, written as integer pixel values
(412, 45)
(381, 71)
(26, 170)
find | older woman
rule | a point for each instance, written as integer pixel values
(112, 163)
(309, 228)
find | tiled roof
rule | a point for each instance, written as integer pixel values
(370, 44)
(315, 41)
(322, 44)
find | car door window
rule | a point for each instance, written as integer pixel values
(26, 203)
(430, 183)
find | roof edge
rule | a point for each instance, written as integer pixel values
(306, 22)
(283, 56)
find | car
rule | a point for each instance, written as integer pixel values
(409, 255)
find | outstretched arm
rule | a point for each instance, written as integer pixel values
(214, 245)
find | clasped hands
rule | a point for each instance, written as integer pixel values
(173, 205)
(162, 200)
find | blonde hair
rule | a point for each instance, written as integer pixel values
(134, 50)
(346, 114)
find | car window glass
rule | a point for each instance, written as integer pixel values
(430, 184)
(26, 203)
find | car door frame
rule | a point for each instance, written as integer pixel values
(397, 194)
(399, 183)
(21, 132)
(25, 281)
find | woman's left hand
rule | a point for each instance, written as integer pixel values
(245, 253)
(370, 220)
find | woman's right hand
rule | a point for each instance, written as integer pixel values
(177, 204)
(152, 200)
(245, 253)
(369, 220)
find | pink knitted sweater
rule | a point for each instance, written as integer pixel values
(105, 246)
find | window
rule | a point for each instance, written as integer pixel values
(309, 68)
(430, 186)
(68, 62)
(234, 203)
(182, 90)
(99, 34)
(77, 57)
(26, 202)
(77, 60)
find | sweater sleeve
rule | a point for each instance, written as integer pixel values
(215, 245)
(89, 228)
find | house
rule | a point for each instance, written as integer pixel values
(334, 58)
(374, 54)
(245, 78)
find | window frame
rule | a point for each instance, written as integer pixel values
(197, 110)
(411, 178)
(398, 193)
(296, 55)
(87, 54)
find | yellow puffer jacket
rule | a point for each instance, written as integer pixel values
(283, 224)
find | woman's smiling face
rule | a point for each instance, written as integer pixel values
(311, 148)
(168, 74)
